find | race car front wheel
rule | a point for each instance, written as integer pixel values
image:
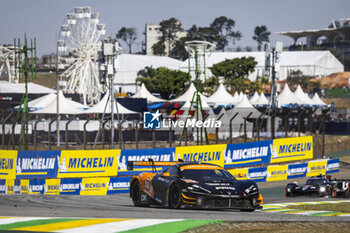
(174, 197)
(136, 194)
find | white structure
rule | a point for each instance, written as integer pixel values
(104, 106)
(222, 97)
(152, 34)
(311, 63)
(33, 88)
(7, 63)
(80, 37)
(188, 95)
(143, 92)
(128, 65)
(66, 106)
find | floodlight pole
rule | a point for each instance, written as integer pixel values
(273, 93)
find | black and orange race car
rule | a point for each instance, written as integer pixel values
(190, 184)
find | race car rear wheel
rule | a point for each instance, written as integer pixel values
(136, 194)
(174, 197)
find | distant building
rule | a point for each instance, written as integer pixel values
(311, 63)
(152, 34)
(337, 35)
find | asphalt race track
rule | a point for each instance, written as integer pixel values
(120, 206)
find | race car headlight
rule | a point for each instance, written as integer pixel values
(322, 189)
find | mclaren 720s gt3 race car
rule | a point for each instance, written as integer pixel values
(190, 184)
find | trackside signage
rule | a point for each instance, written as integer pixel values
(91, 163)
(289, 149)
(203, 154)
(248, 154)
(37, 164)
(8, 164)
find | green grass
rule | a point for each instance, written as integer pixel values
(341, 207)
(268, 227)
(337, 93)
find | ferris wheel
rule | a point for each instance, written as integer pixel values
(77, 47)
(7, 64)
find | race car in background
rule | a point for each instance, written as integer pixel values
(191, 184)
(341, 188)
(315, 186)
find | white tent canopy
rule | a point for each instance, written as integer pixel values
(188, 95)
(221, 97)
(318, 100)
(244, 108)
(261, 101)
(187, 105)
(144, 93)
(66, 106)
(303, 96)
(254, 98)
(287, 97)
(105, 104)
(40, 102)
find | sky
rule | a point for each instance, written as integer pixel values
(42, 18)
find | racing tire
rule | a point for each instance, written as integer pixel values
(175, 197)
(135, 193)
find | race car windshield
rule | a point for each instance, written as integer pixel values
(210, 175)
(316, 182)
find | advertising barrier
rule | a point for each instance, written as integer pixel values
(88, 163)
(332, 166)
(248, 154)
(275, 173)
(70, 186)
(117, 185)
(104, 163)
(315, 168)
(161, 154)
(213, 154)
(291, 149)
(94, 186)
(37, 164)
(297, 170)
(3, 188)
(8, 164)
(257, 174)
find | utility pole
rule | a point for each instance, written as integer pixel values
(110, 49)
(271, 59)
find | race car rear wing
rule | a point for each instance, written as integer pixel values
(151, 163)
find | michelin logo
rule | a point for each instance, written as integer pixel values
(151, 120)
(118, 185)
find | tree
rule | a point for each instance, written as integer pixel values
(209, 85)
(234, 70)
(179, 51)
(163, 80)
(261, 34)
(223, 27)
(128, 35)
(158, 49)
(169, 28)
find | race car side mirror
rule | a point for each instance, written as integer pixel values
(166, 174)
